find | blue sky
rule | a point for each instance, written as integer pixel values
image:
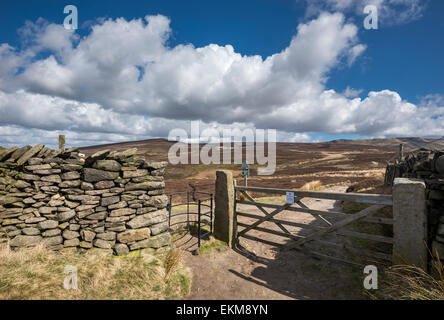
(404, 57)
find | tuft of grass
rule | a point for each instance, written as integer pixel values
(212, 245)
(37, 273)
(405, 282)
(172, 261)
(315, 185)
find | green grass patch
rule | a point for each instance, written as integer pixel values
(37, 273)
(212, 245)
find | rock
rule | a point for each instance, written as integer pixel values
(12, 234)
(52, 233)
(122, 212)
(135, 173)
(71, 243)
(67, 215)
(47, 224)
(35, 161)
(97, 216)
(72, 175)
(133, 235)
(5, 200)
(121, 249)
(31, 231)
(159, 228)
(148, 219)
(34, 220)
(47, 210)
(158, 241)
(83, 198)
(84, 207)
(8, 222)
(86, 186)
(71, 167)
(5, 154)
(117, 219)
(96, 156)
(123, 154)
(74, 227)
(147, 185)
(47, 172)
(85, 245)
(56, 203)
(104, 184)
(71, 204)
(21, 184)
(107, 165)
(38, 167)
(18, 153)
(25, 241)
(53, 241)
(30, 177)
(157, 201)
(95, 175)
(99, 243)
(29, 154)
(54, 178)
(153, 165)
(87, 235)
(70, 184)
(63, 226)
(109, 236)
(119, 205)
(83, 214)
(158, 173)
(29, 201)
(68, 234)
(109, 201)
(50, 189)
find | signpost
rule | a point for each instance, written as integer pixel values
(245, 171)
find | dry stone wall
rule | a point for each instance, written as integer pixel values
(109, 200)
(429, 166)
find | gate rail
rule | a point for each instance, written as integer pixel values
(377, 202)
(191, 200)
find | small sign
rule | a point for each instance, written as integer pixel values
(290, 197)
(245, 169)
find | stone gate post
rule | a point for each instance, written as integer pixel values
(410, 222)
(224, 216)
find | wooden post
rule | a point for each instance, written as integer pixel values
(401, 152)
(62, 142)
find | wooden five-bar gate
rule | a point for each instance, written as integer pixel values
(317, 232)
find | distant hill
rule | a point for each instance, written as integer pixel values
(412, 143)
(158, 148)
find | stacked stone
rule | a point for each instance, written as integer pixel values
(110, 200)
(429, 166)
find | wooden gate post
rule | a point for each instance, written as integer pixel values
(410, 222)
(224, 216)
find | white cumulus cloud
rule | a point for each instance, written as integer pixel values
(122, 81)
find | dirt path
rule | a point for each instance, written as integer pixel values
(262, 271)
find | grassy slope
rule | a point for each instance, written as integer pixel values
(39, 274)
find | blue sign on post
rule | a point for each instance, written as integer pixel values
(245, 170)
